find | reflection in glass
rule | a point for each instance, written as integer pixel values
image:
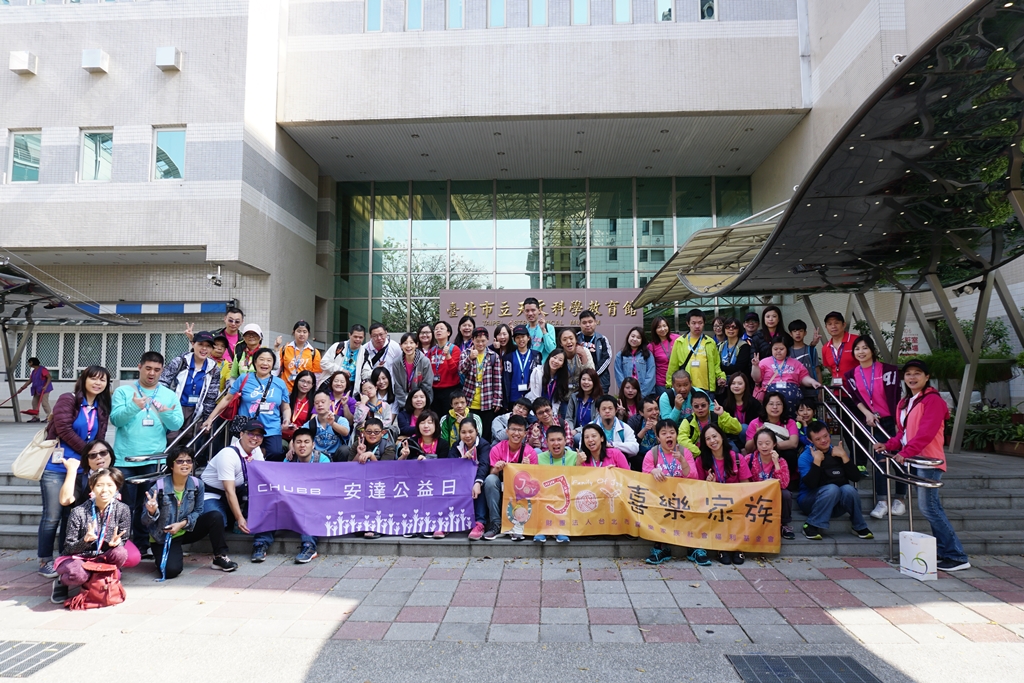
(565, 260)
(652, 259)
(373, 17)
(97, 156)
(496, 12)
(664, 10)
(565, 281)
(424, 311)
(392, 313)
(470, 281)
(654, 211)
(518, 281)
(622, 11)
(518, 205)
(429, 214)
(354, 215)
(472, 214)
(455, 13)
(538, 12)
(393, 261)
(472, 261)
(390, 284)
(608, 281)
(169, 161)
(693, 207)
(391, 216)
(565, 203)
(429, 261)
(611, 259)
(732, 199)
(611, 211)
(517, 260)
(414, 15)
(580, 11)
(707, 10)
(25, 167)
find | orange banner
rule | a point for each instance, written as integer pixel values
(597, 501)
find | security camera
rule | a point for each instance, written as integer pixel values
(897, 58)
(215, 278)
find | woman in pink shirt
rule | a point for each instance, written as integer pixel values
(718, 463)
(783, 374)
(594, 451)
(875, 389)
(662, 340)
(666, 460)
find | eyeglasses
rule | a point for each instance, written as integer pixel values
(254, 435)
(182, 462)
(372, 432)
(97, 454)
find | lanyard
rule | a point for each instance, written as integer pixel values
(636, 374)
(90, 419)
(551, 458)
(870, 385)
(584, 409)
(671, 466)
(102, 523)
(729, 357)
(300, 359)
(524, 363)
(695, 347)
(760, 468)
(148, 399)
(719, 469)
(410, 370)
(779, 370)
(836, 357)
(301, 406)
(551, 390)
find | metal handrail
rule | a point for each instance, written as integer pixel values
(153, 476)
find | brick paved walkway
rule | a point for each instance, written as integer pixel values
(816, 600)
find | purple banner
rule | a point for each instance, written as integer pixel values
(333, 499)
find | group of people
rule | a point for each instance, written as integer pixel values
(727, 407)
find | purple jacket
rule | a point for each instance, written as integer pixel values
(890, 381)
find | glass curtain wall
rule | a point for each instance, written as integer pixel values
(401, 243)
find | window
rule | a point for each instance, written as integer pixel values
(169, 160)
(657, 255)
(707, 10)
(664, 10)
(641, 256)
(613, 283)
(538, 12)
(623, 11)
(456, 13)
(580, 12)
(97, 156)
(496, 13)
(373, 16)
(613, 254)
(414, 15)
(25, 157)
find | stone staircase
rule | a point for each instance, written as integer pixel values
(987, 511)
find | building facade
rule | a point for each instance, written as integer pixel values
(342, 161)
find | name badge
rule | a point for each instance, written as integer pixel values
(148, 422)
(266, 407)
(58, 455)
(837, 381)
(695, 363)
(782, 385)
(524, 387)
(293, 376)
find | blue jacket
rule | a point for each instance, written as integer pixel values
(644, 370)
(168, 511)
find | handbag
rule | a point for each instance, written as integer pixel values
(239, 421)
(32, 460)
(103, 588)
(232, 409)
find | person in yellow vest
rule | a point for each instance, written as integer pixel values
(297, 355)
(697, 353)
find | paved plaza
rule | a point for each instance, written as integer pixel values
(410, 615)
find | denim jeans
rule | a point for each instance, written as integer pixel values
(831, 501)
(947, 545)
(220, 505)
(273, 450)
(267, 538)
(53, 514)
(899, 489)
(492, 494)
(480, 507)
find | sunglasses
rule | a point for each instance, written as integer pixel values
(97, 454)
(183, 462)
(373, 432)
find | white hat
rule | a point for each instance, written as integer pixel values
(252, 327)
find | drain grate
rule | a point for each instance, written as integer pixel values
(764, 669)
(19, 658)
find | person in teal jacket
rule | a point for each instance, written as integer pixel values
(143, 412)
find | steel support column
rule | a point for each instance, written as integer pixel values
(869, 316)
(901, 323)
(1012, 312)
(922, 322)
(815, 320)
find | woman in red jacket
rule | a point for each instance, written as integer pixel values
(77, 419)
(444, 360)
(920, 418)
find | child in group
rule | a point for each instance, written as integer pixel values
(806, 355)
(220, 356)
(330, 432)
(703, 415)
(718, 463)
(558, 455)
(459, 412)
(669, 459)
(765, 463)
(806, 411)
(371, 405)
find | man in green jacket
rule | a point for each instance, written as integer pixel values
(690, 429)
(697, 353)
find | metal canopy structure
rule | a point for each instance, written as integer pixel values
(920, 190)
(26, 301)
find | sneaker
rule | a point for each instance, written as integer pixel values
(952, 565)
(561, 538)
(47, 570)
(517, 537)
(306, 554)
(224, 564)
(374, 534)
(259, 553)
(863, 469)
(700, 558)
(864, 533)
(408, 535)
(437, 535)
(812, 532)
(58, 593)
(725, 557)
(146, 553)
(540, 538)
(658, 556)
(787, 532)
(477, 532)
(881, 509)
(738, 558)
(492, 533)
(898, 508)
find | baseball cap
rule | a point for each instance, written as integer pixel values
(253, 327)
(254, 426)
(837, 315)
(752, 316)
(916, 363)
(200, 337)
(481, 330)
(520, 329)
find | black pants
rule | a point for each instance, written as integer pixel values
(134, 496)
(442, 399)
(486, 417)
(209, 524)
(792, 457)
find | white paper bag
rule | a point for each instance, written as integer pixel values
(917, 556)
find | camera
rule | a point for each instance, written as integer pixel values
(215, 279)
